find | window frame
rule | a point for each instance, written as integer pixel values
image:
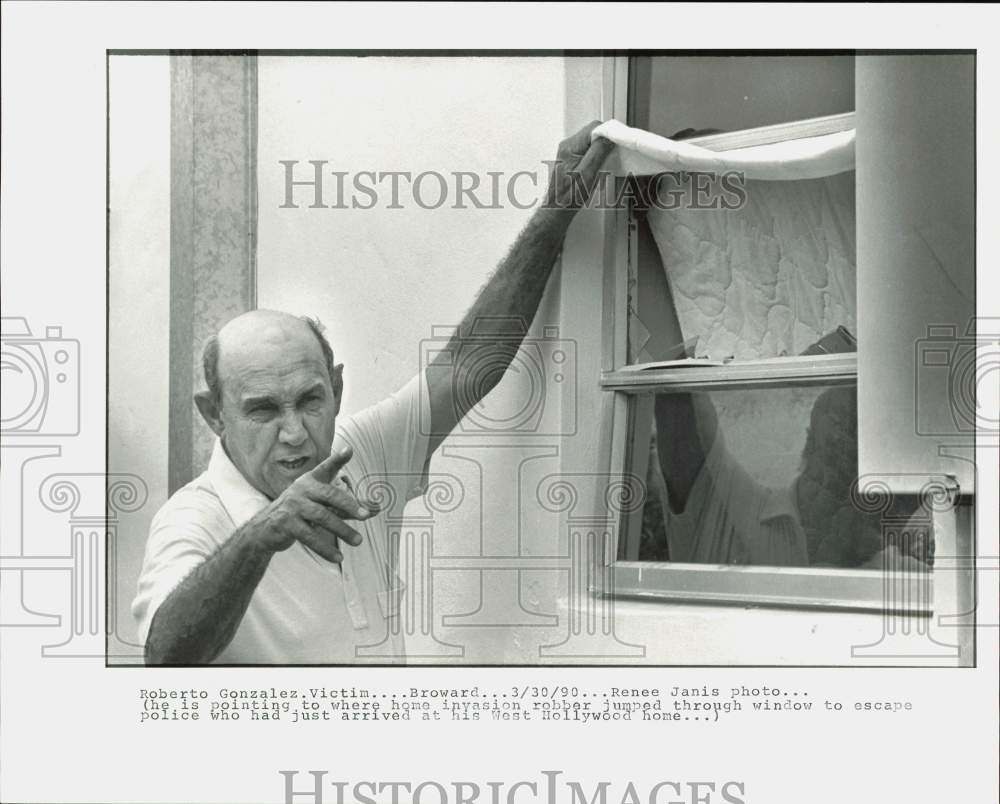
(796, 587)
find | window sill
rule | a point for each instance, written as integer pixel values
(905, 592)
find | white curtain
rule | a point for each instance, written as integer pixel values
(642, 153)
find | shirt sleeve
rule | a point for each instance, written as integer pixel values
(390, 441)
(179, 540)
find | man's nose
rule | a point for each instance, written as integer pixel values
(292, 432)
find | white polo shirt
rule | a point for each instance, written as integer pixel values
(305, 610)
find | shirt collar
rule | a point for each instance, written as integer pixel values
(240, 499)
(781, 503)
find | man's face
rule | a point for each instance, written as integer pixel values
(279, 405)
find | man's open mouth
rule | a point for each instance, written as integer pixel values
(292, 463)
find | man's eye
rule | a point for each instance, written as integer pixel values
(260, 414)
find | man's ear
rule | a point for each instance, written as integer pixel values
(337, 383)
(209, 411)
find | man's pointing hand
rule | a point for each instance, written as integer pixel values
(314, 510)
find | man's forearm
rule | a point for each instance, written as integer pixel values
(200, 617)
(493, 328)
(514, 290)
(516, 286)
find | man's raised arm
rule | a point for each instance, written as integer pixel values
(473, 362)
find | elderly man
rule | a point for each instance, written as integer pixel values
(269, 557)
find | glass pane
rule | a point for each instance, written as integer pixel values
(773, 276)
(670, 93)
(763, 477)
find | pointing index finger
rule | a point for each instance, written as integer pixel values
(326, 471)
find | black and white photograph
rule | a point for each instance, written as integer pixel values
(548, 384)
(404, 416)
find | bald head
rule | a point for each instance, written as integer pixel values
(273, 396)
(258, 336)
